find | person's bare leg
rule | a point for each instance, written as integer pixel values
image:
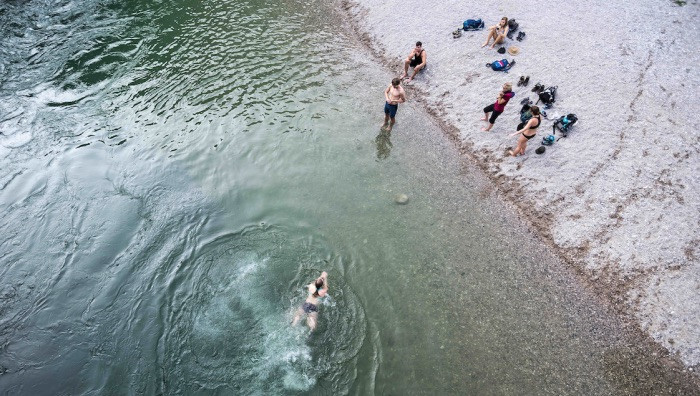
(523, 147)
(497, 40)
(391, 124)
(487, 128)
(486, 116)
(520, 149)
(311, 320)
(415, 71)
(492, 32)
(405, 69)
(297, 316)
(386, 120)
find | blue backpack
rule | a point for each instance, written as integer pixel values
(501, 65)
(525, 113)
(473, 24)
(548, 140)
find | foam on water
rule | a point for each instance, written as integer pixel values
(238, 304)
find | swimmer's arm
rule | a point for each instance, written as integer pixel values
(386, 94)
(324, 275)
(402, 96)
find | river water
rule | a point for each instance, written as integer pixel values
(174, 173)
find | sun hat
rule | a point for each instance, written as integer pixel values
(513, 50)
(501, 50)
(540, 150)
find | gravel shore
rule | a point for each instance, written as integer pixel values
(619, 198)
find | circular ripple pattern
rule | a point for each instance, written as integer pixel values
(228, 312)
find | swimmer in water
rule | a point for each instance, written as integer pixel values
(317, 289)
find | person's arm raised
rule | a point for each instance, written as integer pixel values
(526, 127)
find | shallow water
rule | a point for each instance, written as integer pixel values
(175, 172)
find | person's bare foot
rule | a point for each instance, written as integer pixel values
(493, 45)
(485, 129)
(403, 76)
(484, 119)
(510, 152)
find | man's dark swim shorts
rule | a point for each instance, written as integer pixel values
(390, 109)
(308, 307)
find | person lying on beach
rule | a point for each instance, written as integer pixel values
(416, 59)
(527, 130)
(497, 108)
(317, 289)
(498, 33)
(394, 94)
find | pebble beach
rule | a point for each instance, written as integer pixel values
(619, 198)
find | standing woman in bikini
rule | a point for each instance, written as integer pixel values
(498, 32)
(527, 131)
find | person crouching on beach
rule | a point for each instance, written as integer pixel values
(394, 94)
(527, 130)
(498, 33)
(497, 108)
(416, 59)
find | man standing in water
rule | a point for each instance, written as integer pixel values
(416, 59)
(394, 94)
(317, 289)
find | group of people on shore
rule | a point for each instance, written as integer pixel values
(417, 59)
(395, 94)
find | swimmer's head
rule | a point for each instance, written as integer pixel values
(396, 81)
(319, 285)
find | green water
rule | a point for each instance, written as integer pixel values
(174, 173)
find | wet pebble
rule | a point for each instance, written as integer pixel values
(401, 199)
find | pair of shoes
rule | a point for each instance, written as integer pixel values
(457, 33)
(521, 36)
(538, 88)
(510, 34)
(524, 81)
(526, 100)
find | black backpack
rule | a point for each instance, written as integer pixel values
(564, 123)
(512, 28)
(548, 96)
